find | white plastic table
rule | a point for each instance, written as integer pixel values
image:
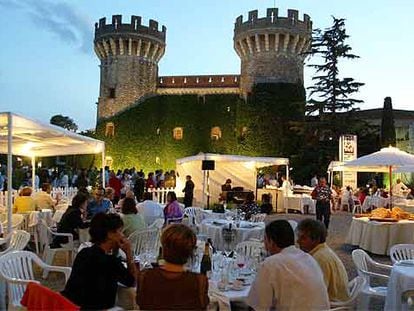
(401, 279)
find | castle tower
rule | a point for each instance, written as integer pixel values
(271, 48)
(129, 55)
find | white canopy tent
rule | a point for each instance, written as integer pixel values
(242, 170)
(22, 136)
(338, 166)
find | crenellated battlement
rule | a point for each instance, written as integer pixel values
(272, 19)
(134, 27)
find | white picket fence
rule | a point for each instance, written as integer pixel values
(160, 194)
(67, 192)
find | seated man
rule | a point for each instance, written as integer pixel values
(289, 279)
(226, 186)
(150, 209)
(99, 203)
(311, 239)
(400, 189)
(43, 199)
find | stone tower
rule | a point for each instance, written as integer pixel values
(271, 48)
(129, 55)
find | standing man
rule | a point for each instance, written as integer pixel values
(312, 240)
(323, 196)
(188, 191)
(289, 279)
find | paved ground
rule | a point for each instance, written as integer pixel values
(338, 231)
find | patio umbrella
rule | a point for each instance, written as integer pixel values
(389, 157)
(404, 169)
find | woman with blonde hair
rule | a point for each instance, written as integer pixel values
(170, 286)
(24, 203)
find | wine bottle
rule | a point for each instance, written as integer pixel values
(213, 249)
(205, 266)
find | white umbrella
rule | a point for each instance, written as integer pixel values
(390, 157)
(404, 169)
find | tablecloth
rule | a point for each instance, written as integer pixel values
(214, 231)
(378, 237)
(374, 201)
(401, 279)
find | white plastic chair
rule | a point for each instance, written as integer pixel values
(355, 288)
(17, 269)
(17, 222)
(363, 262)
(158, 223)
(49, 253)
(146, 240)
(293, 224)
(401, 252)
(357, 206)
(249, 249)
(174, 220)
(194, 214)
(16, 241)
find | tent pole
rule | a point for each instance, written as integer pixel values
(33, 172)
(204, 187)
(287, 172)
(9, 170)
(103, 168)
(390, 172)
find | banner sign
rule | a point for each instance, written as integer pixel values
(348, 152)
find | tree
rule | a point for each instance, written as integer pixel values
(330, 93)
(65, 122)
(387, 124)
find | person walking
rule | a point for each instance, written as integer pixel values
(188, 191)
(322, 193)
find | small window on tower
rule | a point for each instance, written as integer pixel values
(215, 133)
(178, 133)
(110, 129)
(112, 92)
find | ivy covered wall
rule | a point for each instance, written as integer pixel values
(262, 125)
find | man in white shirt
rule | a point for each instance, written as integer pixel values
(150, 209)
(289, 279)
(400, 189)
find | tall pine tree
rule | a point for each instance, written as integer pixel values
(330, 93)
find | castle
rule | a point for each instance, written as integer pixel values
(271, 50)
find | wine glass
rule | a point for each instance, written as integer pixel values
(240, 262)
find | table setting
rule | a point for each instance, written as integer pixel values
(221, 230)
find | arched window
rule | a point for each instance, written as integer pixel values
(110, 129)
(178, 133)
(215, 133)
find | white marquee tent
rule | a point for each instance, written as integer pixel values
(242, 170)
(22, 136)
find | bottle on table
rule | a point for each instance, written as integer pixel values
(212, 248)
(205, 266)
(160, 258)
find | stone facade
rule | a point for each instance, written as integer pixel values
(129, 55)
(270, 48)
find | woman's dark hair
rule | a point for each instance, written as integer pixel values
(79, 199)
(128, 206)
(281, 233)
(172, 195)
(102, 224)
(315, 229)
(178, 243)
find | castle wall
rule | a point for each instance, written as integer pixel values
(271, 48)
(129, 78)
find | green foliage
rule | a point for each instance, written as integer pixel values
(388, 136)
(65, 122)
(264, 125)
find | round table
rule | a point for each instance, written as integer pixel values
(214, 228)
(378, 237)
(401, 279)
